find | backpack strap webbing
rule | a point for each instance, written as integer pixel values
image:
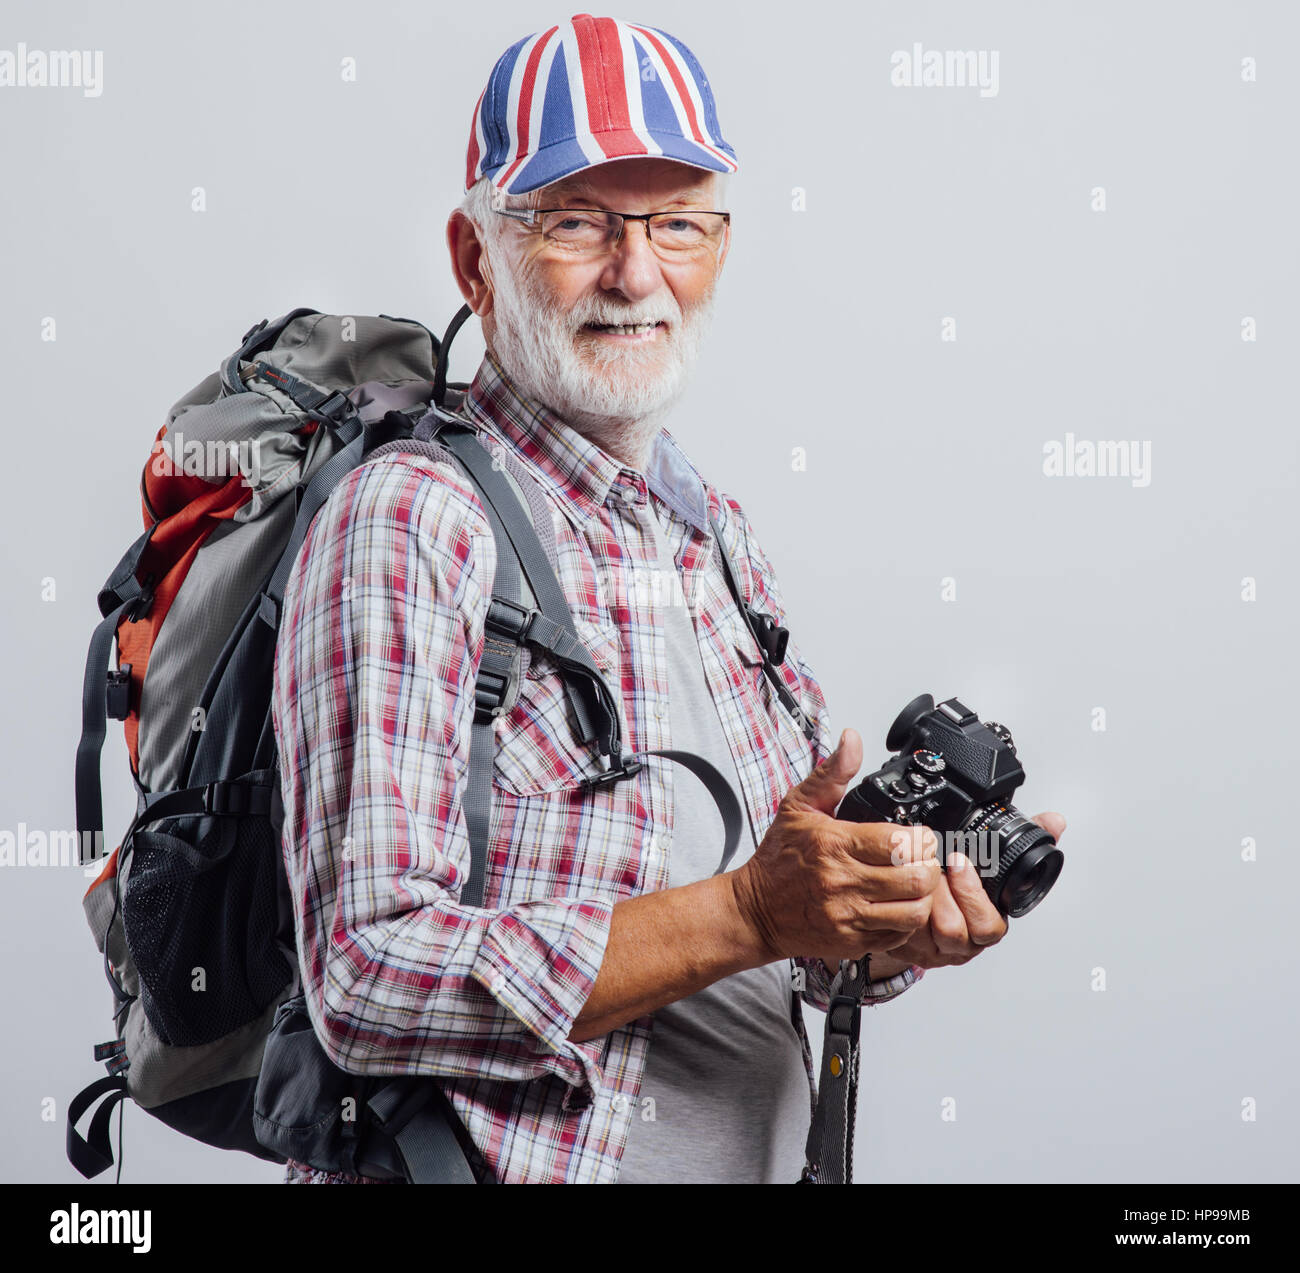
(120, 593)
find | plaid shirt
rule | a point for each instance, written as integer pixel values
(379, 645)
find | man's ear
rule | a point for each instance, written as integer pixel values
(468, 263)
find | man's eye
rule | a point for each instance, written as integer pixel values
(576, 221)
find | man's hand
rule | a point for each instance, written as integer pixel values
(836, 889)
(962, 919)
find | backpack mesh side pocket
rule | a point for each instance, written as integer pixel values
(201, 923)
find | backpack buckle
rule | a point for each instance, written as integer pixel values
(117, 695)
(138, 606)
(227, 797)
(626, 767)
(495, 692)
(332, 410)
(497, 686)
(509, 619)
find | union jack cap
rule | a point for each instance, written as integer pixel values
(585, 92)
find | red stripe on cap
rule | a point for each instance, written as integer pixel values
(526, 105)
(603, 81)
(472, 163)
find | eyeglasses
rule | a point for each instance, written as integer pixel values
(590, 231)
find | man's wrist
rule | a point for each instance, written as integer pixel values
(883, 966)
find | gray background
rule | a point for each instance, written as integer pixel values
(924, 461)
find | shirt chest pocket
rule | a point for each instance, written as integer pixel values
(538, 747)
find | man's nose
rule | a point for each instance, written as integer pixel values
(633, 266)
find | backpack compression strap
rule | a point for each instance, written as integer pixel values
(121, 593)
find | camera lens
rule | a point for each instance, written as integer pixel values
(1018, 861)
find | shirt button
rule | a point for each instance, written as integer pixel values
(629, 494)
(661, 708)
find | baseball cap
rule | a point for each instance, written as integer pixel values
(588, 91)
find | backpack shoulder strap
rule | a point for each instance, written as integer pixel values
(527, 608)
(520, 520)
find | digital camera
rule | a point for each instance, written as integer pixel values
(955, 774)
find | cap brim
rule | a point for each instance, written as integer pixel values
(564, 158)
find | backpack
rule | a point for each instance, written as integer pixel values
(192, 911)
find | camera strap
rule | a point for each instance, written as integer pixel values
(829, 1151)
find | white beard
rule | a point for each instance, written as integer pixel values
(615, 395)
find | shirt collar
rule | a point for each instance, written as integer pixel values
(576, 470)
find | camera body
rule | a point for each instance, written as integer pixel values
(956, 774)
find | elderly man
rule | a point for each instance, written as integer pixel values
(616, 1009)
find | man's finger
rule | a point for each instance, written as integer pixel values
(947, 923)
(1052, 823)
(984, 921)
(824, 788)
(887, 844)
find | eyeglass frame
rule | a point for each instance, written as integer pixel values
(529, 216)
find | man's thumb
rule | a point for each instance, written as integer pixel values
(824, 788)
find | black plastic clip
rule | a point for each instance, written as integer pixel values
(845, 1014)
(225, 797)
(509, 619)
(332, 410)
(626, 768)
(771, 636)
(117, 702)
(138, 607)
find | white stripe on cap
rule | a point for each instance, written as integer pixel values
(516, 143)
(578, 97)
(670, 87)
(632, 83)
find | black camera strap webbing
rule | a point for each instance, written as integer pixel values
(829, 1151)
(751, 617)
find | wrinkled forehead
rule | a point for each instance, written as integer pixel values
(604, 186)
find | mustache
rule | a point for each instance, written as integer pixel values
(619, 318)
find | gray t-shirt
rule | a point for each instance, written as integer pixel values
(725, 1071)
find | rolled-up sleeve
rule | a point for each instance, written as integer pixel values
(373, 703)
